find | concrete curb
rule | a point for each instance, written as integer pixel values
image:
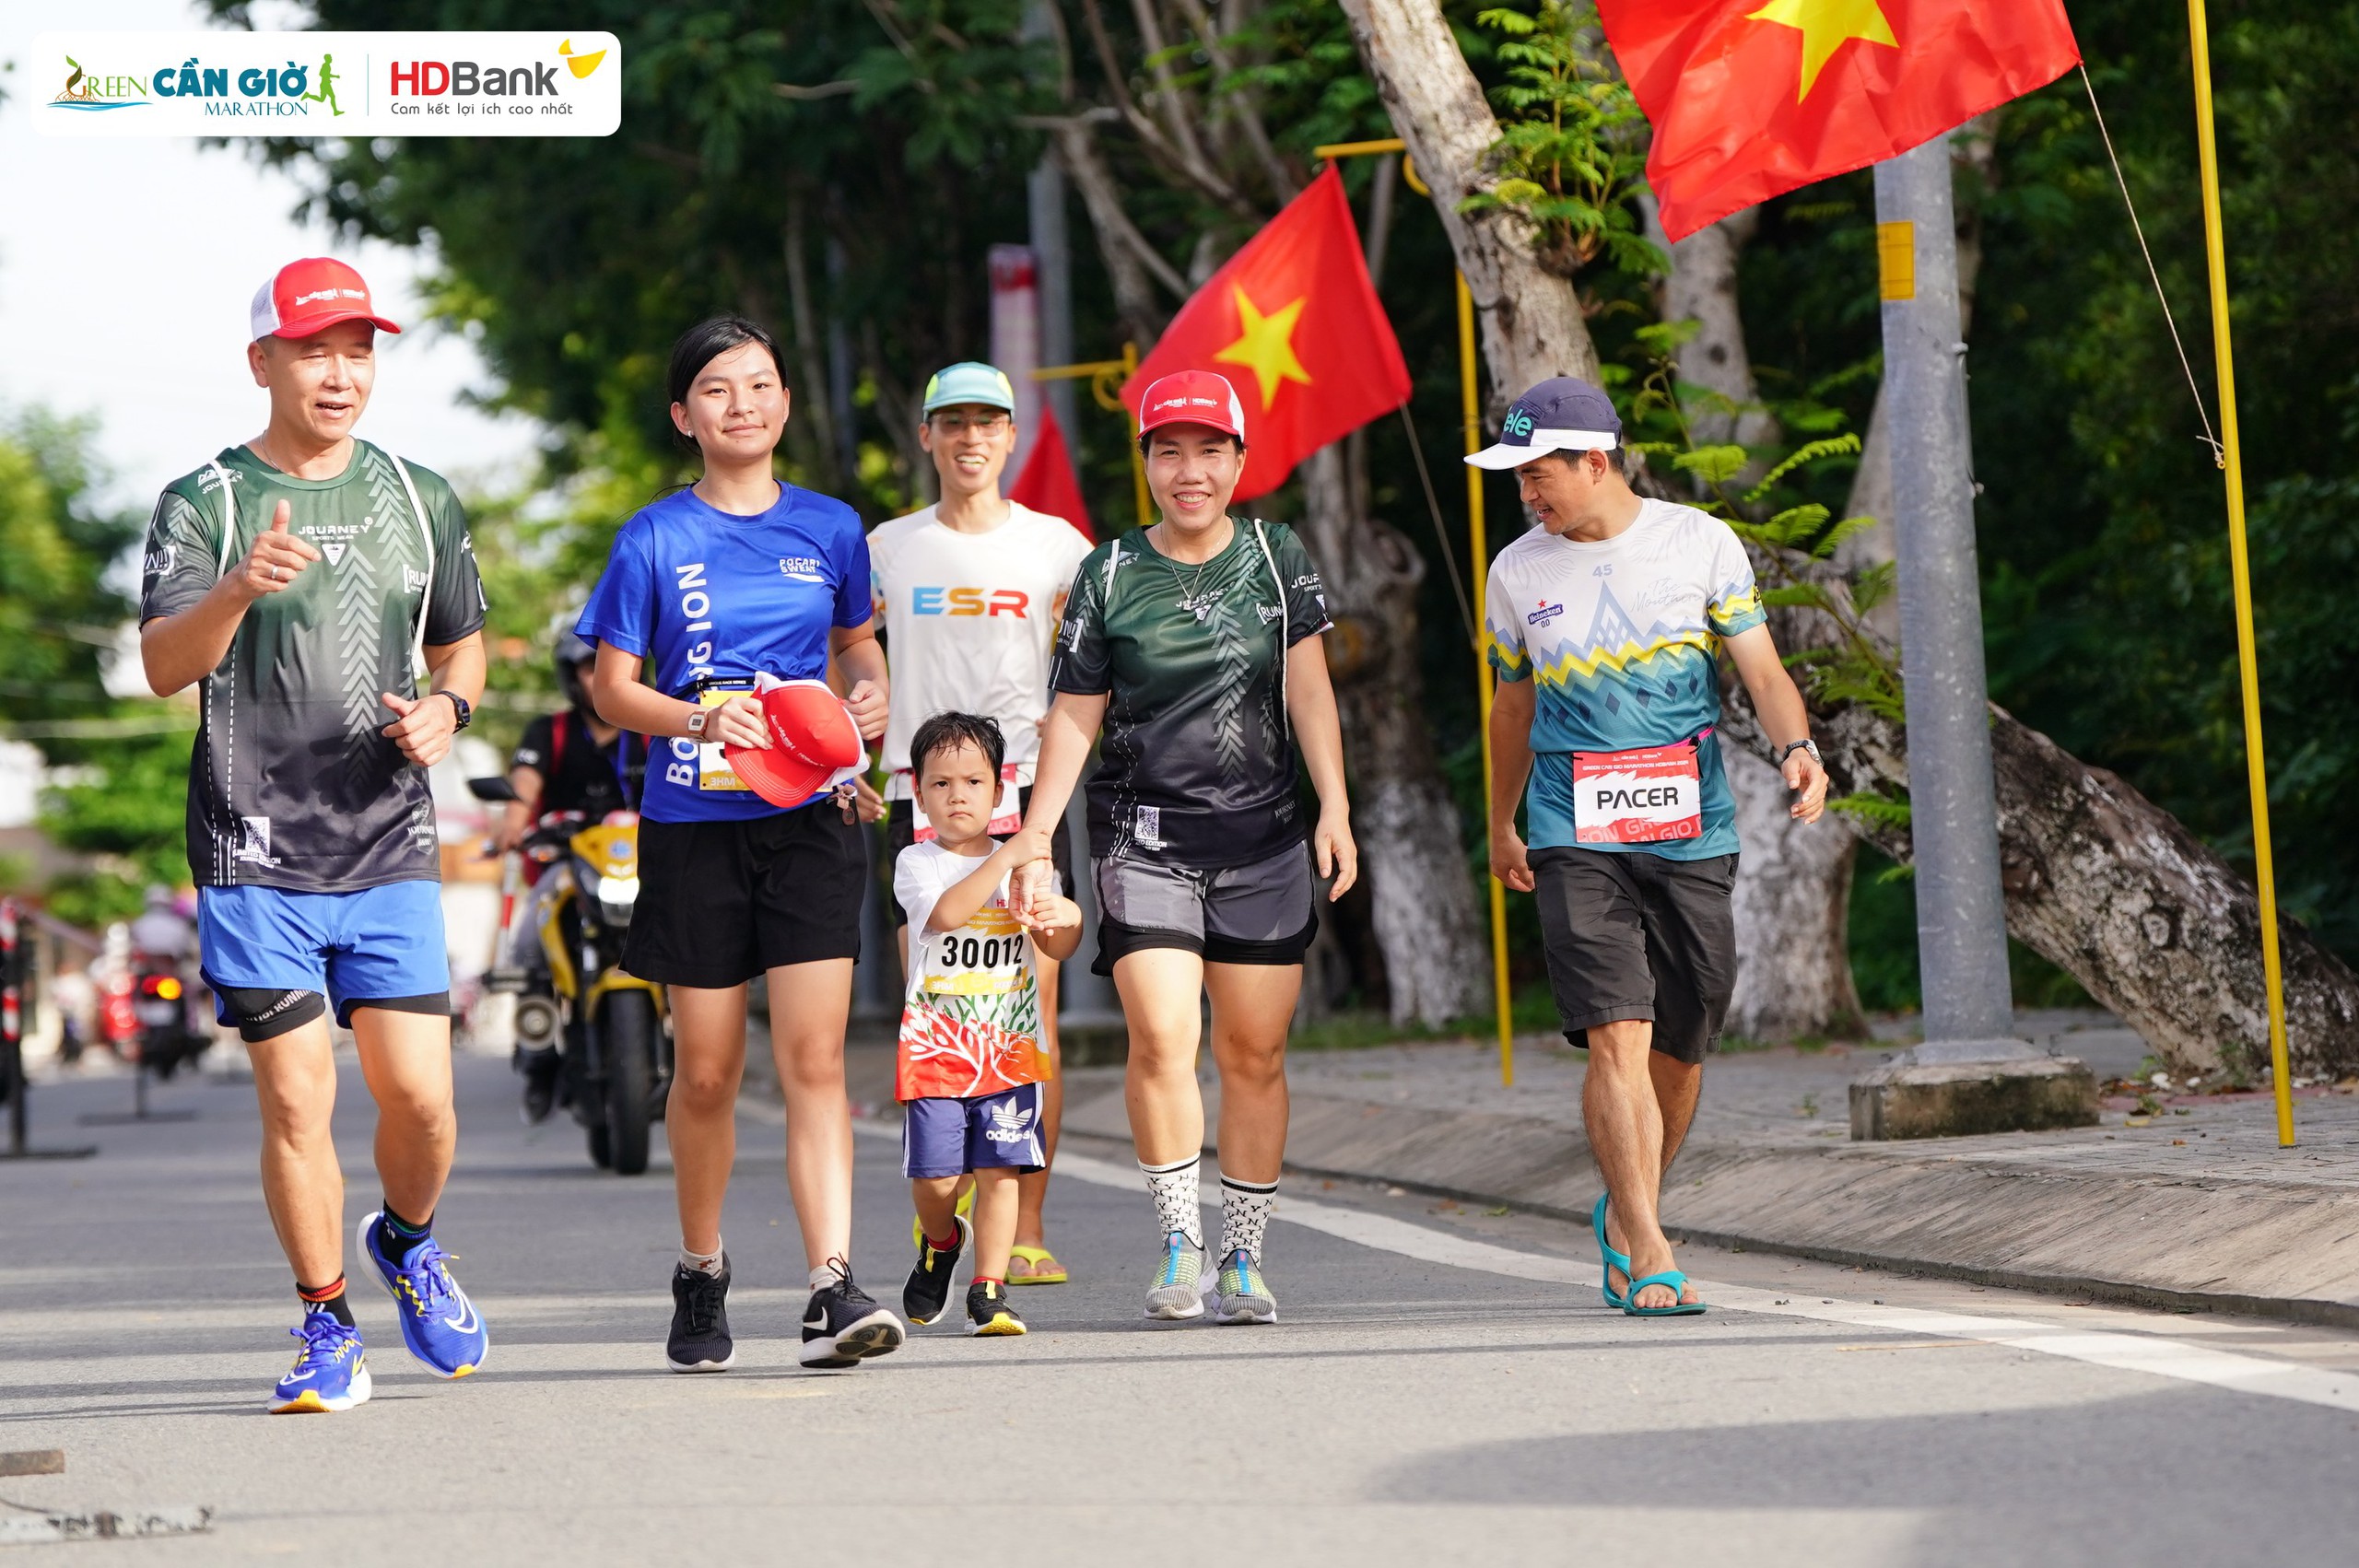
(2283, 1250)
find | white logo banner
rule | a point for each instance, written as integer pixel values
(323, 84)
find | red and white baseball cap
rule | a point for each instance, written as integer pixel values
(813, 743)
(309, 296)
(1193, 397)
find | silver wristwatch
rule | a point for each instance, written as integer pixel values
(1790, 747)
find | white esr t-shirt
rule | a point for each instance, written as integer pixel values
(969, 619)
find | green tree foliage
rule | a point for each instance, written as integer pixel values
(125, 808)
(1572, 150)
(59, 603)
(64, 564)
(831, 170)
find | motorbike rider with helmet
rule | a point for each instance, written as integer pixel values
(570, 761)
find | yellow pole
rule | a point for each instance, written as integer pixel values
(2255, 770)
(1472, 401)
(1138, 458)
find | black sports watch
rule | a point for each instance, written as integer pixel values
(1804, 745)
(459, 705)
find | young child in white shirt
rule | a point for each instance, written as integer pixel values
(970, 1067)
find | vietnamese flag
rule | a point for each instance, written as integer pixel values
(1749, 99)
(1294, 323)
(1048, 483)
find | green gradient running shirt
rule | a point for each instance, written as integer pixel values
(1197, 761)
(291, 785)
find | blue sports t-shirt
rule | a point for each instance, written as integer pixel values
(716, 599)
(1624, 636)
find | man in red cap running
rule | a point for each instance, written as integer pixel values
(300, 581)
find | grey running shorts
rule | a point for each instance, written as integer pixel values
(1637, 935)
(1257, 913)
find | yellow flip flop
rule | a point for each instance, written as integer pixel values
(1034, 1266)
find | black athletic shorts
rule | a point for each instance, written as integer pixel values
(721, 902)
(1637, 935)
(900, 832)
(1264, 912)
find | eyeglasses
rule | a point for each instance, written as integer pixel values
(958, 424)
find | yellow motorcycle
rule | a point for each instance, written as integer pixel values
(610, 1028)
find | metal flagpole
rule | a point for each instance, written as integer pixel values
(2256, 769)
(1480, 569)
(1471, 400)
(2008, 1084)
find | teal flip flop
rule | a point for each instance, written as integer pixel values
(1612, 1259)
(1672, 1279)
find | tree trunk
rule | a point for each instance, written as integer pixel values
(1794, 884)
(2112, 889)
(1532, 322)
(1791, 905)
(1422, 899)
(1130, 259)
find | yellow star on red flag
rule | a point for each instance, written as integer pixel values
(1265, 344)
(1827, 25)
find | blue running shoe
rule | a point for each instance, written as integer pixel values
(330, 1372)
(440, 1325)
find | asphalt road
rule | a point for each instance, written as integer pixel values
(1444, 1386)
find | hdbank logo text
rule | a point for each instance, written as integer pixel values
(330, 84)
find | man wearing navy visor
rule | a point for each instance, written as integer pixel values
(1605, 622)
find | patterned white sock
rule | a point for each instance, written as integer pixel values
(702, 1262)
(1178, 1205)
(1244, 1215)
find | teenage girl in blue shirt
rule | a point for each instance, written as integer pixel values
(708, 587)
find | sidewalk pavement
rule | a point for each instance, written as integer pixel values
(2194, 1206)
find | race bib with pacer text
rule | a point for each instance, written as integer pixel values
(1651, 795)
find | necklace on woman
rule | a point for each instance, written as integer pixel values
(1190, 586)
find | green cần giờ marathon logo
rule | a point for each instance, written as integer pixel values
(282, 91)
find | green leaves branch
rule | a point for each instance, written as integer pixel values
(1570, 154)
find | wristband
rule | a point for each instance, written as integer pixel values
(1805, 745)
(460, 705)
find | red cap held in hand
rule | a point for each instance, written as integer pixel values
(813, 739)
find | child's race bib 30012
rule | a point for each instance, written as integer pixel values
(1649, 795)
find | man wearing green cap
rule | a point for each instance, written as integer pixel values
(970, 590)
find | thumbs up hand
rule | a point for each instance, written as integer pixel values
(277, 558)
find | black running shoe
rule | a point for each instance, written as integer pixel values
(700, 1341)
(928, 1290)
(539, 1071)
(988, 1312)
(843, 1324)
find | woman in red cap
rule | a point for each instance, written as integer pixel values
(737, 577)
(1191, 648)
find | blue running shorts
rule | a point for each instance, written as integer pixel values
(377, 944)
(947, 1138)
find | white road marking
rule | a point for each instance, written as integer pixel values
(2124, 1352)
